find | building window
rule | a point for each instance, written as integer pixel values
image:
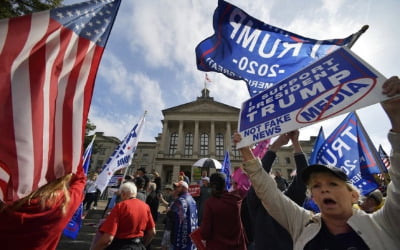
(145, 157)
(101, 150)
(287, 159)
(235, 153)
(188, 144)
(173, 143)
(219, 144)
(204, 144)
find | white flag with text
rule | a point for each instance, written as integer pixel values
(122, 156)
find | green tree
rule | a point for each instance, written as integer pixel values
(89, 128)
(13, 8)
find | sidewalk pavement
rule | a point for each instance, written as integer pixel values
(89, 228)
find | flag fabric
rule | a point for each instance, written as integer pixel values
(49, 62)
(317, 145)
(122, 156)
(350, 148)
(261, 148)
(226, 169)
(206, 80)
(87, 155)
(244, 48)
(385, 158)
(74, 225)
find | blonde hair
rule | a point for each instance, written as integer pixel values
(47, 195)
(152, 186)
(349, 186)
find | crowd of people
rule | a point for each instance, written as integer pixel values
(318, 209)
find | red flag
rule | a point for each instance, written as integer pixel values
(207, 79)
(195, 236)
(49, 62)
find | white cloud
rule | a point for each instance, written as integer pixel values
(117, 77)
(149, 62)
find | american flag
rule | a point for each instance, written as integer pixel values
(385, 158)
(49, 62)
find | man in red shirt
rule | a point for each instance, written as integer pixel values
(129, 224)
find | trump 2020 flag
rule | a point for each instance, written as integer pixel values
(244, 48)
(74, 225)
(122, 156)
(226, 169)
(317, 145)
(49, 62)
(350, 148)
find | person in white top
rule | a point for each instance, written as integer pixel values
(90, 191)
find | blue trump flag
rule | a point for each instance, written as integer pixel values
(350, 148)
(226, 169)
(74, 225)
(87, 154)
(317, 145)
(244, 48)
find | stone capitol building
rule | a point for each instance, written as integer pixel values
(199, 129)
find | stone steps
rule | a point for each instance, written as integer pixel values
(89, 228)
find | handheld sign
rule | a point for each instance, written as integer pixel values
(194, 190)
(337, 83)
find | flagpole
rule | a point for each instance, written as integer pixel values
(126, 169)
(357, 35)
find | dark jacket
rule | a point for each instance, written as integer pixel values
(267, 233)
(222, 226)
(205, 193)
(153, 202)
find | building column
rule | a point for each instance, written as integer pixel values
(211, 140)
(196, 140)
(180, 146)
(175, 173)
(164, 139)
(228, 139)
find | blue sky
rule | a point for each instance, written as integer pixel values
(149, 62)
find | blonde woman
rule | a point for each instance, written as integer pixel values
(37, 221)
(338, 225)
